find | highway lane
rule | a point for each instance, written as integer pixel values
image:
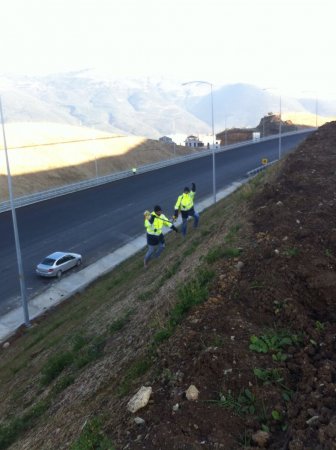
(97, 221)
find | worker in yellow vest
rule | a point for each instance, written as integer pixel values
(154, 222)
(185, 205)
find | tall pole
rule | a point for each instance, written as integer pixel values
(16, 233)
(213, 136)
(213, 149)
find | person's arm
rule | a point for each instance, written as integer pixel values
(193, 187)
(177, 207)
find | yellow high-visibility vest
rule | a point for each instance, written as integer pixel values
(159, 222)
(185, 201)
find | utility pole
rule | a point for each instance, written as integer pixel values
(16, 232)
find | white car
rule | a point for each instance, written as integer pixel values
(55, 264)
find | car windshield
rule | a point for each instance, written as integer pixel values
(48, 261)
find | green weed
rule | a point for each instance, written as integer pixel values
(79, 341)
(232, 234)
(162, 335)
(92, 437)
(120, 323)
(55, 365)
(268, 376)
(136, 370)
(257, 285)
(319, 326)
(63, 383)
(220, 252)
(273, 342)
(291, 252)
(192, 293)
(11, 431)
(90, 352)
(244, 403)
(146, 295)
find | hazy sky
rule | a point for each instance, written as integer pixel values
(284, 44)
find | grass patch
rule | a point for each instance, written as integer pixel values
(242, 404)
(92, 437)
(190, 294)
(191, 247)
(120, 323)
(219, 252)
(92, 351)
(136, 370)
(274, 342)
(54, 366)
(63, 383)
(11, 431)
(231, 235)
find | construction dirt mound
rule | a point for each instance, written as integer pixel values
(262, 350)
(231, 332)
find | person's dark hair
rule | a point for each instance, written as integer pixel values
(186, 189)
(157, 208)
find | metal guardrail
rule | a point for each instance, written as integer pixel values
(252, 172)
(86, 184)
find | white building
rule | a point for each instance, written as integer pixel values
(193, 141)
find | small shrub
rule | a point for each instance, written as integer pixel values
(268, 376)
(63, 383)
(232, 234)
(55, 365)
(273, 342)
(291, 252)
(244, 403)
(136, 370)
(92, 437)
(118, 324)
(162, 335)
(90, 353)
(78, 342)
(11, 431)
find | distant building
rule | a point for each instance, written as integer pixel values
(268, 126)
(193, 141)
(234, 135)
(166, 140)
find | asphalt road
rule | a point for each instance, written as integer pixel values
(97, 221)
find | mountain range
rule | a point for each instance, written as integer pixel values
(144, 107)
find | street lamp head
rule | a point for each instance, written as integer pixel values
(197, 82)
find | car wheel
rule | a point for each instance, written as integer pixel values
(59, 274)
(79, 262)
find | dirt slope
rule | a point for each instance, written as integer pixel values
(47, 155)
(287, 284)
(243, 309)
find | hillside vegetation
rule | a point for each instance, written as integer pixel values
(243, 309)
(47, 155)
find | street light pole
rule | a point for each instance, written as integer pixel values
(16, 233)
(213, 136)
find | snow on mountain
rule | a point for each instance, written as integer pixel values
(145, 107)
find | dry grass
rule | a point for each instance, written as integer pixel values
(46, 155)
(306, 118)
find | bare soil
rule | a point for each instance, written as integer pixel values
(288, 282)
(280, 289)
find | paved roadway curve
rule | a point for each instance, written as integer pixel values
(97, 221)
